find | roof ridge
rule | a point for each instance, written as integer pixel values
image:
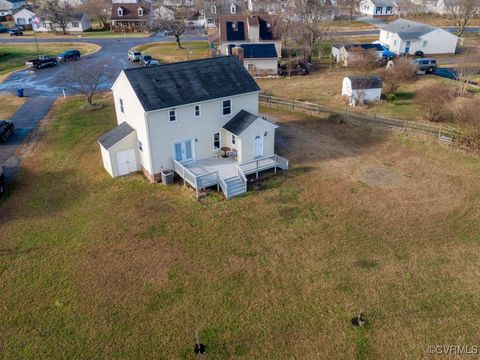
(179, 62)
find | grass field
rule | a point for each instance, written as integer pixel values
(92, 267)
(169, 52)
(325, 89)
(8, 106)
(13, 56)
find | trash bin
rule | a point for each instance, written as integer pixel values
(167, 177)
(20, 92)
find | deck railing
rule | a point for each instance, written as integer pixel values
(265, 163)
(243, 178)
(196, 181)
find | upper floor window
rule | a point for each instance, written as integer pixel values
(121, 106)
(140, 12)
(214, 9)
(197, 111)
(172, 115)
(120, 12)
(140, 146)
(233, 139)
(425, 43)
(233, 9)
(227, 107)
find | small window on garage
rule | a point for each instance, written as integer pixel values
(234, 139)
(140, 146)
(197, 111)
(121, 106)
(172, 115)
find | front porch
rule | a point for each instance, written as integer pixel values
(227, 174)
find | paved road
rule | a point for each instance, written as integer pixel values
(42, 87)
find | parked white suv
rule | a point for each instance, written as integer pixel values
(134, 56)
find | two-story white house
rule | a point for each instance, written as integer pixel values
(407, 37)
(9, 7)
(199, 118)
(377, 8)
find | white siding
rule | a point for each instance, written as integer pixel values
(438, 41)
(258, 128)
(130, 142)
(133, 115)
(163, 134)
(262, 66)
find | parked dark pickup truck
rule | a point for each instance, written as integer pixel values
(6, 129)
(40, 62)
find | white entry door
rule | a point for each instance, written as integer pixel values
(126, 162)
(258, 147)
(183, 151)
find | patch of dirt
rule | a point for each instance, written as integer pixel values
(380, 176)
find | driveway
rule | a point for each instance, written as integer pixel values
(42, 87)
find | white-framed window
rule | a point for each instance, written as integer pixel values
(234, 26)
(234, 139)
(233, 9)
(197, 111)
(140, 146)
(216, 141)
(172, 115)
(394, 42)
(210, 21)
(378, 10)
(75, 24)
(214, 9)
(120, 11)
(269, 25)
(425, 43)
(389, 9)
(227, 107)
(140, 12)
(122, 109)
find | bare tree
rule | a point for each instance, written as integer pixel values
(435, 100)
(99, 10)
(85, 80)
(402, 70)
(175, 22)
(306, 22)
(461, 12)
(467, 68)
(59, 12)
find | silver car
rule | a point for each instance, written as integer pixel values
(426, 64)
(134, 56)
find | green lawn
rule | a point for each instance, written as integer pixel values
(94, 267)
(13, 56)
(169, 51)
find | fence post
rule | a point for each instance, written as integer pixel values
(405, 127)
(440, 132)
(293, 104)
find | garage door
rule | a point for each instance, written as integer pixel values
(126, 162)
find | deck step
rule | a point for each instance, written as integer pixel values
(234, 186)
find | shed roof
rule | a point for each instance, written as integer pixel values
(188, 82)
(115, 135)
(365, 82)
(259, 51)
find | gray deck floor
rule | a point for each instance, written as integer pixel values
(226, 167)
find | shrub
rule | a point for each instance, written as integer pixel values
(390, 98)
(401, 71)
(435, 100)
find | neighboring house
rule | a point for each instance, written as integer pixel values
(132, 16)
(180, 116)
(79, 22)
(378, 7)
(267, 7)
(8, 7)
(213, 9)
(24, 17)
(255, 36)
(362, 89)
(406, 37)
(344, 53)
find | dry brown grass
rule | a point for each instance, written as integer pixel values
(97, 267)
(8, 105)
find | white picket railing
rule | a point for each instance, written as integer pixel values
(265, 163)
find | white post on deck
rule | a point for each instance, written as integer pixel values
(257, 169)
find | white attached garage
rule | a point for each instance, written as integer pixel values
(119, 150)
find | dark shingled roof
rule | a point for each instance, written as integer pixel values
(188, 82)
(365, 82)
(240, 122)
(115, 135)
(259, 51)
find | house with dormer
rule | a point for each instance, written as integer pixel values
(251, 38)
(214, 9)
(132, 16)
(197, 118)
